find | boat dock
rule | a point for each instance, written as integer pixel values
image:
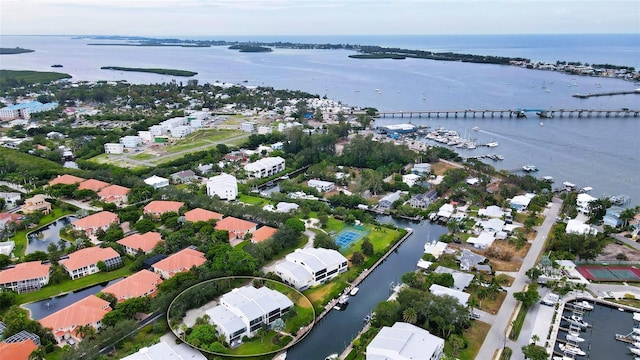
(610, 93)
(518, 113)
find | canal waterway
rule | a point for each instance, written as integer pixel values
(600, 343)
(43, 308)
(336, 330)
(40, 239)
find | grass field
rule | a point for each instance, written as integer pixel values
(474, 337)
(117, 161)
(252, 200)
(16, 77)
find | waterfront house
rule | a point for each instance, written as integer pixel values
(492, 211)
(262, 234)
(612, 216)
(304, 268)
(404, 341)
(583, 202)
(423, 201)
(440, 290)
(225, 186)
(389, 199)
(64, 323)
(115, 194)
(445, 212)
(140, 242)
(461, 280)
(164, 351)
(66, 179)
(95, 222)
(93, 185)
(19, 346)
(10, 199)
(85, 261)
(435, 248)
(521, 202)
(237, 228)
(469, 260)
(492, 225)
(37, 203)
(25, 277)
(158, 207)
(245, 310)
(182, 261)
(265, 167)
(183, 177)
(482, 241)
(199, 214)
(320, 185)
(142, 283)
(156, 182)
(575, 226)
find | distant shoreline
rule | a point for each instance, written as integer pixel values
(172, 72)
(14, 51)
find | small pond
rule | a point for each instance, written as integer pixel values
(40, 239)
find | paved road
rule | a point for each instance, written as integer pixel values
(496, 337)
(16, 187)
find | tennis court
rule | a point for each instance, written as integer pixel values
(347, 237)
(610, 273)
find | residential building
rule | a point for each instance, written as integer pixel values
(492, 211)
(492, 225)
(65, 322)
(199, 214)
(180, 131)
(469, 260)
(10, 199)
(461, 280)
(24, 110)
(158, 207)
(181, 261)
(145, 136)
(389, 199)
(237, 228)
(66, 179)
(113, 148)
(114, 194)
(37, 203)
(130, 141)
(225, 186)
(142, 283)
(18, 350)
(266, 167)
(482, 241)
(423, 201)
(263, 234)
(410, 179)
(521, 202)
(248, 127)
(163, 351)
(6, 247)
(95, 222)
(404, 341)
(575, 226)
(245, 310)
(6, 219)
(421, 169)
(321, 186)
(440, 290)
(85, 261)
(305, 268)
(156, 182)
(612, 216)
(140, 242)
(183, 177)
(25, 277)
(93, 185)
(435, 248)
(583, 202)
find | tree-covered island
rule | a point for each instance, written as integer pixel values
(172, 72)
(15, 50)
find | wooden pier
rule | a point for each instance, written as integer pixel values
(610, 93)
(510, 113)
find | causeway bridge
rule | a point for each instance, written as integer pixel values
(517, 113)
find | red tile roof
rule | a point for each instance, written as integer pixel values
(18, 350)
(263, 234)
(180, 262)
(236, 225)
(161, 207)
(114, 190)
(92, 184)
(199, 214)
(136, 285)
(97, 220)
(66, 179)
(9, 218)
(84, 312)
(88, 256)
(25, 271)
(145, 242)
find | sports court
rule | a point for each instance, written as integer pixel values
(610, 273)
(349, 235)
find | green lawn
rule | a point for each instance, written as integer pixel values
(257, 345)
(73, 285)
(474, 337)
(252, 200)
(185, 145)
(20, 237)
(143, 156)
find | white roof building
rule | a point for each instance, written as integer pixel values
(164, 351)
(446, 211)
(435, 248)
(575, 226)
(440, 290)
(410, 179)
(583, 202)
(130, 141)
(113, 148)
(320, 185)
(521, 202)
(223, 185)
(492, 211)
(483, 241)
(404, 341)
(321, 264)
(157, 182)
(266, 167)
(421, 168)
(461, 280)
(492, 225)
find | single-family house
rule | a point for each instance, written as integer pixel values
(492, 211)
(140, 242)
(142, 283)
(472, 181)
(156, 182)
(404, 341)
(6, 219)
(446, 211)
(10, 199)
(94, 222)
(575, 226)
(65, 322)
(482, 241)
(199, 214)
(423, 201)
(6, 247)
(492, 225)
(237, 228)
(410, 179)
(115, 194)
(389, 199)
(469, 260)
(25, 277)
(181, 261)
(66, 179)
(262, 234)
(421, 168)
(440, 290)
(304, 268)
(320, 185)
(612, 216)
(85, 261)
(435, 248)
(93, 185)
(520, 202)
(461, 280)
(225, 186)
(164, 351)
(158, 207)
(37, 203)
(583, 202)
(113, 148)
(183, 177)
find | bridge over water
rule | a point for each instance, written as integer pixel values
(518, 113)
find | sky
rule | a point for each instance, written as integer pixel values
(316, 17)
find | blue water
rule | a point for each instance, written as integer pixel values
(601, 153)
(39, 240)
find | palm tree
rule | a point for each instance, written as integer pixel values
(457, 343)
(627, 215)
(409, 315)
(81, 330)
(535, 339)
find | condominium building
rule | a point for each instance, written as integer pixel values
(304, 268)
(25, 277)
(266, 167)
(225, 186)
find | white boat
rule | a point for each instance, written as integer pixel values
(563, 358)
(354, 291)
(585, 305)
(281, 356)
(529, 168)
(634, 350)
(541, 123)
(475, 128)
(492, 144)
(574, 338)
(636, 344)
(548, 179)
(636, 316)
(571, 349)
(636, 331)
(331, 357)
(576, 320)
